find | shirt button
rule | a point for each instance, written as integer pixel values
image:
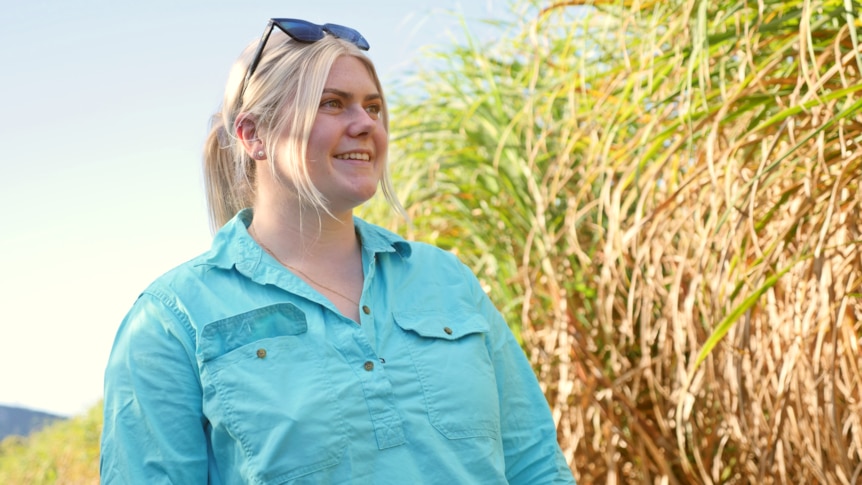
(366, 310)
(369, 366)
(261, 353)
(447, 330)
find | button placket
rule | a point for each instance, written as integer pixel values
(388, 428)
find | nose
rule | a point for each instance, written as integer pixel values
(362, 122)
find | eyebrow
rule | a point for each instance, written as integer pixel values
(346, 95)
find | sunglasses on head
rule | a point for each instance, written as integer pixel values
(302, 31)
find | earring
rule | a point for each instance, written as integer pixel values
(260, 154)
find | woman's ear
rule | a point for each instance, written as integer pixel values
(246, 132)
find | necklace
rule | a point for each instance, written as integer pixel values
(297, 270)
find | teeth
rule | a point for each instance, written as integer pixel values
(354, 156)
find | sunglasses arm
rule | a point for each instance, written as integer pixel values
(257, 55)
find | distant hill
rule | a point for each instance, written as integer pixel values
(22, 422)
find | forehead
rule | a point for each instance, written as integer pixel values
(352, 75)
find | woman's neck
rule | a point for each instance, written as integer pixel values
(306, 238)
(324, 251)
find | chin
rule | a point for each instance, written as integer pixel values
(366, 197)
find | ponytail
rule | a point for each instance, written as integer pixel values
(228, 183)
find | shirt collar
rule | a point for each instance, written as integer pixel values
(378, 240)
(233, 246)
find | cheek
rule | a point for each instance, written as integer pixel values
(382, 140)
(321, 136)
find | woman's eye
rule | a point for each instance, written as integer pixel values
(374, 109)
(330, 103)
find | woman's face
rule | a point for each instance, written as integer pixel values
(348, 144)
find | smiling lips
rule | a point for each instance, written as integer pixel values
(354, 156)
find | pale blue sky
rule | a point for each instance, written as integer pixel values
(105, 105)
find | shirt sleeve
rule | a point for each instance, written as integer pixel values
(153, 423)
(530, 445)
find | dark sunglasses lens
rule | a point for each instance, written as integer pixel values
(300, 30)
(304, 31)
(347, 34)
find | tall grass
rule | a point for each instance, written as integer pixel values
(664, 199)
(64, 453)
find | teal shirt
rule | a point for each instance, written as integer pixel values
(230, 369)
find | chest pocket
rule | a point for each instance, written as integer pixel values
(266, 392)
(455, 370)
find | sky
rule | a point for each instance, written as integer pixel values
(104, 106)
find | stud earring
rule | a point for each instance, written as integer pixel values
(260, 154)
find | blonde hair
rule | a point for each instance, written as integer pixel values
(282, 97)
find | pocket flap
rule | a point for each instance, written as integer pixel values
(441, 325)
(223, 336)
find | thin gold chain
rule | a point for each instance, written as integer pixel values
(294, 268)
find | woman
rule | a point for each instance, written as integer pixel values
(308, 346)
